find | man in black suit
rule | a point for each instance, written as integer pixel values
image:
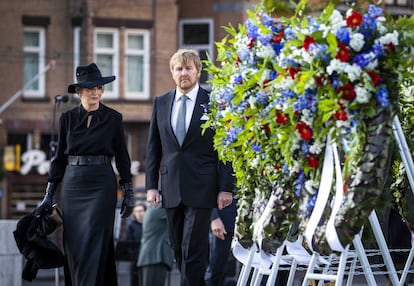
(182, 157)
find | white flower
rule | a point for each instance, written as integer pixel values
(265, 52)
(380, 27)
(311, 186)
(357, 41)
(389, 38)
(316, 148)
(372, 65)
(335, 66)
(353, 71)
(362, 94)
(337, 21)
(302, 56)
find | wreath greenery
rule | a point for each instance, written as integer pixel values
(401, 188)
(283, 85)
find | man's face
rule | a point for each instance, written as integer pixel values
(139, 213)
(185, 76)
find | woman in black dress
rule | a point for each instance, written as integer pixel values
(90, 135)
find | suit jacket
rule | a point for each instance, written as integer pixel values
(155, 245)
(227, 216)
(191, 173)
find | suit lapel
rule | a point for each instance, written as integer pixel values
(167, 109)
(195, 129)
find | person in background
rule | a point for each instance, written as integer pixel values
(155, 258)
(134, 234)
(221, 236)
(182, 157)
(90, 136)
(134, 227)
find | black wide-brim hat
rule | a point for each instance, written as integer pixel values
(89, 77)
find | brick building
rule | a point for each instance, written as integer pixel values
(43, 41)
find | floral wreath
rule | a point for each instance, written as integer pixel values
(402, 191)
(285, 90)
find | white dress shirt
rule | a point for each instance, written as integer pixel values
(190, 103)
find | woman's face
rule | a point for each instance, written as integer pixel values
(90, 97)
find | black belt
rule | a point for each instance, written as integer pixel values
(89, 160)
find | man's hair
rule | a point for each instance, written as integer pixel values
(186, 56)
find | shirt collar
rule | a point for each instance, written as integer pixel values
(192, 95)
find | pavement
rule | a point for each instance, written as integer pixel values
(54, 277)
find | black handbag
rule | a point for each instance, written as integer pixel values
(50, 221)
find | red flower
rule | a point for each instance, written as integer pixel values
(376, 78)
(354, 19)
(313, 161)
(251, 43)
(280, 117)
(293, 71)
(266, 128)
(340, 114)
(320, 80)
(343, 53)
(307, 42)
(391, 47)
(277, 167)
(347, 91)
(278, 38)
(304, 130)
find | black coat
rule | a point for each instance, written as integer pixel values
(191, 173)
(40, 252)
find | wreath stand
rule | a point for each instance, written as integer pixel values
(316, 262)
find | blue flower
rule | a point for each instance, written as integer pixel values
(256, 147)
(362, 60)
(268, 21)
(262, 97)
(265, 39)
(231, 135)
(272, 75)
(236, 79)
(290, 34)
(277, 47)
(252, 30)
(378, 50)
(343, 35)
(382, 97)
(374, 11)
(311, 204)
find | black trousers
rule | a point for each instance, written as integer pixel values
(188, 229)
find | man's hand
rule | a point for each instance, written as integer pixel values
(153, 197)
(218, 229)
(224, 199)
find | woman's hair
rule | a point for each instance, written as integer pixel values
(186, 56)
(78, 89)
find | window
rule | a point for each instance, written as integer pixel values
(34, 62)
(399, 3)
(106, 57)
(136, 63)
(197, 34)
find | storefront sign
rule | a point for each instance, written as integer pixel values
(36, 159)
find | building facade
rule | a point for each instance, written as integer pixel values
(44, 41)
(42, 44)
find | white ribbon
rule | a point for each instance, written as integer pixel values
(323, 195)
(331, 234)
(258, 228)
